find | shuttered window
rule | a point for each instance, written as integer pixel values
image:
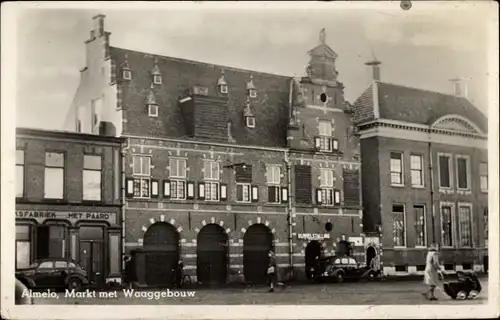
(303, 187)
(351, 187)
(243, 174)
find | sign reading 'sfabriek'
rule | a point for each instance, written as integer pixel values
(65, 215)
(313, 236)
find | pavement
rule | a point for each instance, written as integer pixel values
(357, 293)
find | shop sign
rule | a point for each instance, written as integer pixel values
(313, 236)
(65, 215)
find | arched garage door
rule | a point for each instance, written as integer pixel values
(211, 261)
(257, 242)
(314, 251)
(161, 247)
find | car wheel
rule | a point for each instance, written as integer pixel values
(74, 284)
(339, 277)
(372, 276)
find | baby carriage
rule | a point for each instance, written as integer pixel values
(467, 286)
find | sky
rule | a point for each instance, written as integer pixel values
(423, 47)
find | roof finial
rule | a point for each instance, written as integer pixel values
(322, 36)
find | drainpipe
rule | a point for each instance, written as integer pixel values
(431, 182)
(124, 196)
(289, 213)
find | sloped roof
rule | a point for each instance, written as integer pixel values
(323, 50)
(270, 106)
(414, 105)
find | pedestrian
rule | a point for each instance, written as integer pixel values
(432, 273)
(127, 276)
(375, 263)
(179, 272)
(271, 271)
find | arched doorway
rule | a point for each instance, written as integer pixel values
(211, 260)
(161, 247)
(344, 248)
(314, 251)
(370, 254)
(257, 242)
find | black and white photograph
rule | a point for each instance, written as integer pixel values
(250, 160)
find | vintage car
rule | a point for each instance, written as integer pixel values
(341, 268)
(53, 274)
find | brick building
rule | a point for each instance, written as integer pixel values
(425, 177)
(223, 163)
(63, 208)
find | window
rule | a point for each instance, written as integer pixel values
(153, 110)
(61, 264)
(92, 177)
(398, 226)
(252, 93)
(444, 171)
(46, 265)
(485, 225)
(57, 241)
(465, 226)
(463, 173)
(417, 172)
(303, 184)
(352, 187)
(447, 226)
(54, 175)
(19, 173)
(223, 88)
(396, 168)
(325, 142)
(142, 176)
(178, 184)
(127, 75)
(326, 184)
(250, 122)
(23, 246)
(273, 180)
(211, 177)
(157, 79)
(483, 176)
(243, 192)
(420, 225)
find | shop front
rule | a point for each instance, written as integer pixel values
(91, 238)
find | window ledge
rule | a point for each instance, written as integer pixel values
(397, 185)
(420, 247)
(399, 247)
(484, 191)
(418, 187)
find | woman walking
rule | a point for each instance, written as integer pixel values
(432, 272)
(271, 271)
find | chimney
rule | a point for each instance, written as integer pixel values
(99, 25)
(375, 69)
(459, 87)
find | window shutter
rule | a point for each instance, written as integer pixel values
(284, 195)
(319, 199)
(255, 193)
(239, 192)
(303, 187)
(243, 175)
(270, 194)
(336, 197)
(166, 188)
(317, 142)
(223, 192)
(190, 191)
(154, 189)
(201, 191)
(335, 145)
(130, 187)
(351, 187)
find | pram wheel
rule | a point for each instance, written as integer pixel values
(473, 294)
(462, 295)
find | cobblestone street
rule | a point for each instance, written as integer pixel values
(402, 292)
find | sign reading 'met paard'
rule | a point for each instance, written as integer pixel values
(41, 215)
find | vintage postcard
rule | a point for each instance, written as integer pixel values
(250, 160)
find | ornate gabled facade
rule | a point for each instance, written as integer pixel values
(224, 164)
(425, 179)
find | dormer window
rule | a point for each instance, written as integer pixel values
(156, 74)
(222, 84)
(157, 79)
(127, 75)
(250, 122)
(153, 110)
(252, 91)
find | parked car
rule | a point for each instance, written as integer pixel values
(340, 268)
(53, 274)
